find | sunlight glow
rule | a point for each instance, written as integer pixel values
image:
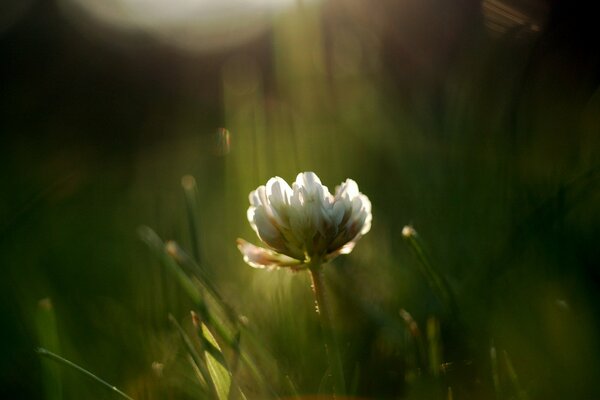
(193, 25)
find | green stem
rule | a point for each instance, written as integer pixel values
(331, 346)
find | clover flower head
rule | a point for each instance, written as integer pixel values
(304, 223)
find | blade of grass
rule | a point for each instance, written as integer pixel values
(197, 371)
(326, 384)
(191, 288)
(235, 363)
(195, 356)
(435, 348)
(355, 380)
(414, 331)
(190, 189)
(45, 321)
(213, 353)
(294, 394)
(53, 356)
(156, 244)
(495, 370)
(214, 299)
(215, 363)
(436, 281)
(186, 262)
(514, 378)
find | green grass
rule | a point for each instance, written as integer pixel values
(120, 220)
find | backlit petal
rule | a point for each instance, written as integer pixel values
(259, 257)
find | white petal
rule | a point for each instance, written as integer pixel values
(357, 205)
(258, 197)
(329, 198)
(345, 249)
(254, 198)
(366, 209)
(360, 220)
(262, 193)
(259, 257)
(278, 191)
(296, 198)
(367, 224)
(308, 180)
(264, 227)
(348, 247)
(348, 189)
(337, 212)
(366, 202)
(250, 216)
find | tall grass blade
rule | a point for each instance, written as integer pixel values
(514, 378)
(435, 346)
(47, 332)
(158, 247)
(414, 331)
(213, 354)
(53, 356)
(192, 267)
(197, 371)
(189, 286)
(436, 280)
(190, 189)
(196, 359)
(200, 290)
(216, 366)
(495, 370)
(294, 394)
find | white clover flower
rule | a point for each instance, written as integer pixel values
(304, 224)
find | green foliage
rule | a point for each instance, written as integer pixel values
(487, 144)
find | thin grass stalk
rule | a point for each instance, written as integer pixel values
(53, 356)
(195, 294)
(331, 345)
(195, 357)
(495, 370)
(190, 189)
(415, 333)
(514, 378)
(435, 346)
(436, 281)
(47, 333)
(187, 262)
(170, 259)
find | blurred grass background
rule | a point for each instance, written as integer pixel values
(476, 122)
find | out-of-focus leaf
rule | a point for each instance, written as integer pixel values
(218, 371)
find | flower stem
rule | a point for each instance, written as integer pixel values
(331, 345)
